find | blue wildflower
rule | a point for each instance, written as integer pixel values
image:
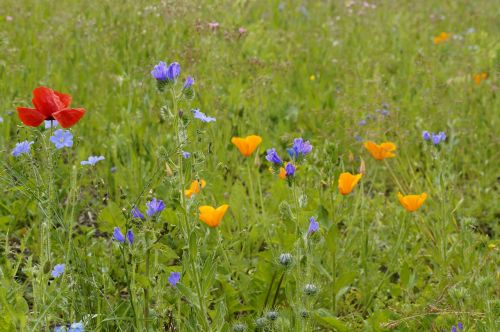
(358, 138)
(92, 160)
(426, 135)
(113, 169)
(437, 138)
(50, 124)
(76, 327)
(22, 147)
(273, 157)
(313, 225)
(362, 122)
(159, 72)
(289, 169)
(299, 148)
(186, 154)
(130, 236)
(173, 71)
(1, 119)
(117, 235)
(200, 115)
(385, 112)
(154, 206)
(174, 278)
(188, 83)
(136, 213)
(460, 326)
(58, 270)
(62, 138)
(453, 329)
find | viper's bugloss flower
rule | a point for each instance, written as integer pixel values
(382, 151)
(50, 105)
(412, 202)
(426, 135)
(154, 206)
(118, 235)
(362, 122)
(174, 278)
(289, 169)
(273, 157)
(195, 187)
(247, 145)
(57, 271)
(441, 38)
(313, 226)
(130, 236)
(159, 72)
(201, 116)
(347, 182)
(212, 216)
(299, 148)
(478, 78)
(62, 138)
(438, 138)
(22, 148)
(136, 213)
(173, 71)
(92, 160)
(186, 154)
(188, 83)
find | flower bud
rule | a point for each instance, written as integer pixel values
(310, 289)
(272, 315)
(285, 259)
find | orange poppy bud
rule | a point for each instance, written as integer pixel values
(412, 202)
(247, 145)
(195, 187)
(282, 173)
(212, 216)
(347, 182)
(382, 151)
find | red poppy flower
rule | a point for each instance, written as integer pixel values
(50, 105)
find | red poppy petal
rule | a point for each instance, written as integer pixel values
(30, 116)
(68, 116)
(64, 98)
(46, 101)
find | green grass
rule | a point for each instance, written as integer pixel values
(376, 267)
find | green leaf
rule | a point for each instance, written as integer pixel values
(110, 217)
(326, 319)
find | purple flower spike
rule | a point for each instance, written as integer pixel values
(313, 225)
(173, 71)
(174, 278)
(130, 236)
(136, 213)
(273, 157)
(188, 83)
(426, 135)
(159, 72)
(118, 236)
(299, 148)
(154, 206)
(289, 169)
(460, 326)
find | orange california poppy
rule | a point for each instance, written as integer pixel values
(282, 173)
(382, 151)
(442, 37)
(247, 145)
(347, 182)
(479, 77)
(195, 187)
(412, 202)
(212, 216)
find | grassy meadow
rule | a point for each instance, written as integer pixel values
(337, 74)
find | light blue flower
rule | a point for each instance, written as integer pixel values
(22, 147)
(92, 160)
(62, 138)
(118, 235)
(188, 83)
(186, 154)
(58, 270)
(313, 225)
(50, 124)
(154, 206)
(174, 278)
(201, 116)
(76, 327)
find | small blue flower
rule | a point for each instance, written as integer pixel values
(200, 115)
(426, 135)
(289, 169)
(174, 278)
(22, 147)
(358, 138)
(117, 235)
(58, 270)
(76, 327)
(313, 225)
(362, 122)
(113, 169)
(186, 154)
(60, 329)
(130, 236)
(385, 112)
(453, 329)
(173, 71)
(188, 83)
(273, 157)
(299, 148)
(136, 213)
(460, 326)
(442, 135)
(1, 119)
(154, 206)
(50, 124)
(437, 138)
(159, 72)
(62, 138)
(92, 160)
